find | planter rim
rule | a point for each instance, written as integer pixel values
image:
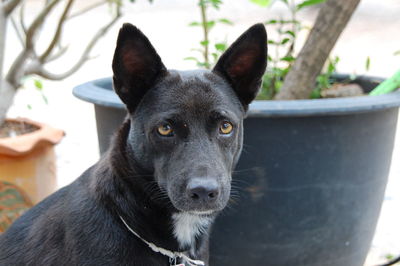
(26, 143)
(96, 92)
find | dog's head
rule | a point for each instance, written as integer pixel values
(187, 126)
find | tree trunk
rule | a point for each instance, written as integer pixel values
(3, 94)
(7, 94)
(3, 28)
(7, 90)
(331, 20)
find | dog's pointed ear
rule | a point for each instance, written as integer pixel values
(244, 63)
(136, 66)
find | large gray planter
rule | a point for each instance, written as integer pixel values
(311, 178)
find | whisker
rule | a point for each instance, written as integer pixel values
(243, 170)
(240, 181)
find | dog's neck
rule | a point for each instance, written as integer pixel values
(126, 194)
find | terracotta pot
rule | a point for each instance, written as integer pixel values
(28, 160)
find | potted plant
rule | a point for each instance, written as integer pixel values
(26, 147)
(313, 172)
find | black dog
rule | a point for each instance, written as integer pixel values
(151, 199)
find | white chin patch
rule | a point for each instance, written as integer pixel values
(189, 225)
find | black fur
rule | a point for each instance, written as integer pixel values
(144, 177)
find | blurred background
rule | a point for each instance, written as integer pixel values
(372, 35)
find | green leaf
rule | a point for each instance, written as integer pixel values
(323, 81)
(194, 23)
(397, 52)
(308, 3)
(38, 84)
(331, 68)
(284, 41)
(29, 106)
(210, 24)
(332, 65)
(225, 21)
(203, 64)
(389, 256)
(367, 63)
(262, 3)
(315, 94)
(191, 58)
(289, 32)
(282, 21)
(272, 42)
(204, 43)
(216, 3)
(272, 21)
(288, 58)
(336, 60)
(220, 46)
(278, 84)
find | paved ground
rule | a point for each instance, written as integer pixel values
(373, 32)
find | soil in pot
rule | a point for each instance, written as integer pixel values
(12, 128)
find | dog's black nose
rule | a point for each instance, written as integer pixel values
(204, 189)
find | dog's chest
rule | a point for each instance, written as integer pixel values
(187, 226)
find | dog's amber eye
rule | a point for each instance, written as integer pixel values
(165, 130)
(226, 127)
